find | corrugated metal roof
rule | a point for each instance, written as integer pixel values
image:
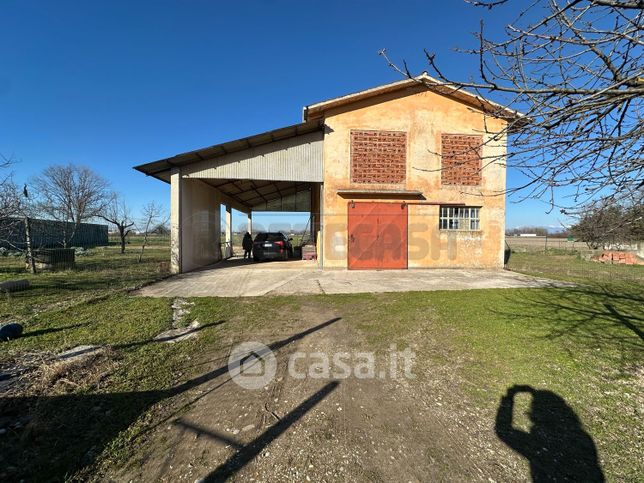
(294, 159)
(160, 168)
(260, 195)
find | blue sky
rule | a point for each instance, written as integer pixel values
(118, 83)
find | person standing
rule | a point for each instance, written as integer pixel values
(247, 245)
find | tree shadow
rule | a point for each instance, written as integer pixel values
(39, 332)
(51, 438)
(169, 338)
(557, 446)
(592, 316)
(246, 453)
(627, 321)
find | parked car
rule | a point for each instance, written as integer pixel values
(272, 246)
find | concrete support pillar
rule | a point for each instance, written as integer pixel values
(229, 224)
(175, 220)
(315, 210)
(229, 231)
(250, 222)
(194, 223)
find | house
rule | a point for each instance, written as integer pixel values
(406, 175)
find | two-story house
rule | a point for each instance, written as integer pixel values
(406, 175)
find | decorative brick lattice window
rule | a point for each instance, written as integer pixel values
(461, 158)
(378, 156)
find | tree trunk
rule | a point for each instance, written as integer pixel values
(122, 235)
(65, 235)
(31, 263)
(145, 241)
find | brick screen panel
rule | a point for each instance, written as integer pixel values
(378, 157)
(461, 159)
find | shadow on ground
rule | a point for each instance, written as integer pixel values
(593, 316)
(65, 434)
(556, 446)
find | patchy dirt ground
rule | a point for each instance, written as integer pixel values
(318, 429)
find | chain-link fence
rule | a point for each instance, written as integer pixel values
(560, 258)
(543, 244)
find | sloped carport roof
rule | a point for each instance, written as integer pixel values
(270, 171)
(160, 169)
(262, 195)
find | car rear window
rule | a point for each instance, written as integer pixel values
(269, 237)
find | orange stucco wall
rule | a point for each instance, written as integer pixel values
(423, 115)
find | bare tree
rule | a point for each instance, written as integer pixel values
(576, 72)
(610, 225)
(118, 213)
(71, 194)
(15, 213)
(152, 215)
(599, 227)
(11, 203)
(161, 229)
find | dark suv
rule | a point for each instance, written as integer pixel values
(272, 246)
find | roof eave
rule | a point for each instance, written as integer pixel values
(154, 168)
(317, 110)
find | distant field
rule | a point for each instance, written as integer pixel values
(542, 243)
(138, 239)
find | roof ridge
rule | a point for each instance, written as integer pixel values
(317, 109)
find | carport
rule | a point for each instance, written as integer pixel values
(278, 170)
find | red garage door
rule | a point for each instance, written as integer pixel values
(377, 235)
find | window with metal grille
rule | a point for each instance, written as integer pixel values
(464, 218)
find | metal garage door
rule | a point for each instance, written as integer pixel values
(377, 235)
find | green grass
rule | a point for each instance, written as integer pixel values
(574, 268)
(102, 271)
(98, 412)
(583, 343)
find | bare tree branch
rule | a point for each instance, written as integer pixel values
(576, 71)
(118, 214)
(151, 215)
(71, 194)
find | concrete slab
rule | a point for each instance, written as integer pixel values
(238, 278)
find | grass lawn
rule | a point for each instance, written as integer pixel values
(582, 343)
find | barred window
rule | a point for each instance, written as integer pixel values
(459, 218)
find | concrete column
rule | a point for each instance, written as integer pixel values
(194, 223)
(315, 211)
(229, 231)
(229, 223)
(250, 222)
(175, 220)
